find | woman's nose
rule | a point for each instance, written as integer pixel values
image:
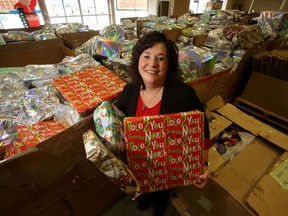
(153, 62)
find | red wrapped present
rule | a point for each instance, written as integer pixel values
(31, 135)
(165, 151)
(87, 88)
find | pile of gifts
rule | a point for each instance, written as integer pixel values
(45, 33)
(37, 96)
(223, 47)
(162, 151)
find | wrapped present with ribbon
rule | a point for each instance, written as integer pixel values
(110, 165)
(86, 89)
(165, 151)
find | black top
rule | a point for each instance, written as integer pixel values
(181, 98)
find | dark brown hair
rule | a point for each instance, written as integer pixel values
(147, 41)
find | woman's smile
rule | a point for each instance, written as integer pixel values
(153, 65)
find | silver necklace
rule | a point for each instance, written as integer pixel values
(144, 104)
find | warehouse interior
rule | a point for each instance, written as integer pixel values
(60, 61)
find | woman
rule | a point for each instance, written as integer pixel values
(157, 88)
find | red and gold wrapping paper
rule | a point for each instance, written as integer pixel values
(31, 135)
(87, 88)
(165, 151)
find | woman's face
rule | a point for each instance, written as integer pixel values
(153, 65)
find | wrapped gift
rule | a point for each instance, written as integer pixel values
(100, 45)
(165, 151)
(86, 89)
(31, 135)
(110, 165)
(108, 121)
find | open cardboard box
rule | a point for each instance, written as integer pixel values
(24, 45)
(258, 92)
(77, 39)
(55, 178)
(43, 55)
(244, 185)
(172, 34)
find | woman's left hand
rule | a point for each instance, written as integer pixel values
(202, 180)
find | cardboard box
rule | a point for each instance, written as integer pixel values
(199, 40)
(19, 46)
(55, 178)
(267, 93)
(237, 185)
(139, 25)
(235, 82)
(208, 86)
(77, 39)
(44, 55)
(269, 196)
(211, 200)
(31, 29)
(172, 34)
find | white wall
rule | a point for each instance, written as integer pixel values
(153, 7)
(259, 5)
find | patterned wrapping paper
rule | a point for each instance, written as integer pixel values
(100, 45)
(45, 36)
(113, 32)
(31, 135)
(72, 64)
(165, 151)
(35, 72)
(86, 89)
(39, 104)
(108, 121)
(110, 165)
(11, 86)
(70, 28)
(18, 36)
(250, 37)
(272, 22)
(2, 41)
(195, 62)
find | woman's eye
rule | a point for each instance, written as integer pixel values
(161, 58)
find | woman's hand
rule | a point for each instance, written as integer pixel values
(202, 180)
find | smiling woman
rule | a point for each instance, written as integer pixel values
(157, 88)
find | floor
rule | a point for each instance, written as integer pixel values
(128, 207)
